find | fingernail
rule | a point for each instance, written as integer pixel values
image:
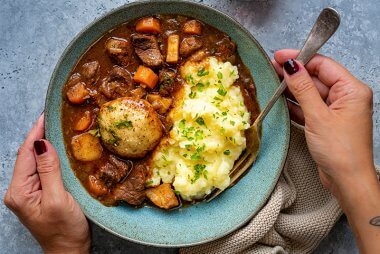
(291, 66)
(40, 147)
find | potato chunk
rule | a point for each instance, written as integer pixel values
(162, 196)
(192, 27)
(78, 94)
(86, 147)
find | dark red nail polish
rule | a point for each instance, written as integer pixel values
(291, 66)
(40, 147)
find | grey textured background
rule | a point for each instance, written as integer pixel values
(33, 34)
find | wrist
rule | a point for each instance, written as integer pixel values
(78, 249)
(355, 192)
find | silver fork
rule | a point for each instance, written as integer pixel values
(325, 26)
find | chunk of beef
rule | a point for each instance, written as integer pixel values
(146, 48)
(166, 79)
(119, 73)
(119, 49)
(117, 84)
(160, 104)
(225, 49)
(199, 55)
(190, 45)
(132, 190)
(162, 196)
(114, 171)
(90, 71)
(137, 93)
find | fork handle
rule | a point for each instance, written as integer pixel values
(327, 23)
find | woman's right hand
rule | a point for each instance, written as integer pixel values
(336, 109)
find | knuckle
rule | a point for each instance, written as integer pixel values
(302, 85)
(54, 206)
(48, 164)
(7, 200)
(11, 202)
(367, 93)
(21, 150)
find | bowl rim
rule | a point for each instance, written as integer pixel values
(252, 38)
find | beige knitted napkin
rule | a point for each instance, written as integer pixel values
(297, 216)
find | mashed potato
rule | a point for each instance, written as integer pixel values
(209, 120)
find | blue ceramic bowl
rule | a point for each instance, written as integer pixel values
(198, 223)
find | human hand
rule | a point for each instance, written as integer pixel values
(336, 109)
(37, 196)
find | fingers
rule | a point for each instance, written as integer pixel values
(322, 88)
(296, 113)
(304, 90)
(324, 68)
(48, 167)
(25, 165)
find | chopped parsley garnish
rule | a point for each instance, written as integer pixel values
(217, 98)
(221, 91)
(184, 155)
(232, 123)
(227, 152)
(195, 157)
(189, 78)
(94, 132)
(199, 170)
(220, 75)
(200, 87)
(164, 158)
(182, 124)
(192, 95)
(198, 135)
(110, 108)
(177, 192)
(201, 149)
(115, 139)
(205, 174)
(123, 124)
(187, 146)
(232, 73)
(200, 121)
(202, 72)
(149, 182)
(224, 113)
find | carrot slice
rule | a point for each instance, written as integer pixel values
(77, 94)
(96, 186)
(84, 122)
(192, 27)
(148, 25)
(172, 52)
(146, 77)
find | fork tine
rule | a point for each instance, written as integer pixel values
(244, 168)
(233, 179)
(245, 161)
(239, 162)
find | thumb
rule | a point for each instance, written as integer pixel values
(48, 168)
(303, 88)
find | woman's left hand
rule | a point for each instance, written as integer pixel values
(37, 196)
